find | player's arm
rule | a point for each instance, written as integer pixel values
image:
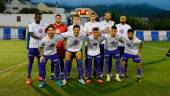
(121, 39)
(34, 36)
(86, 29)
(141, 47)
(41, 54)
(40, 49)
(31, 33)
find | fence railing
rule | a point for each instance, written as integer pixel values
(19, 33)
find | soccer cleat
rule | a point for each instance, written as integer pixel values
(99, 81)
(42, 84)
(39, 78)
(58, 83)
(126, 75)
(52, 77)
(117, 78)
(64, 82)
(28, 81)
(122, 76)
(139, 79)
(101, 76)
(88, 81)
(81, 81)
(108, 78)
(168, 54)
(111, 75)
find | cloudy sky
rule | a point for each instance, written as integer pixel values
(163, 4)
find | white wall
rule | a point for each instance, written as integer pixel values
(11, 19)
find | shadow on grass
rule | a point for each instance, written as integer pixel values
(50, 90)
(39, 90)
(94, 89)
(157, 61)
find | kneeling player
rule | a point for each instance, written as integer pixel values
(93, 52)
(48, 51)
(111, 49)
(74, 45)
(132, 51)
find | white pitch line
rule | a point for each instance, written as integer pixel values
(157, 47)
(12, 67)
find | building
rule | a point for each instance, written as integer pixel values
(14, 6)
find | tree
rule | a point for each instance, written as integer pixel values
(29, 10)
(2, 4)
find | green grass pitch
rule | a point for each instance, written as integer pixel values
(155, 75)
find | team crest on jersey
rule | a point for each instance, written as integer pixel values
(40, 30)
(130, 45)
(76, 42)
(121, 31)
(95, 44)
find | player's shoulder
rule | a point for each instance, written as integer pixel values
(117, 25)
(105, 35)
(87, 23)
(64, 24)
(44, 39)
(112, 22)
(102, 22)
(32, 24)
(128, 26)
(90, 36)
(136, 38)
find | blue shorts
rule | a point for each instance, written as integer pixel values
(114, 53)
(135, 58)
(74, 53)
(33, 52)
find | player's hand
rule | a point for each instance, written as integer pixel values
(41, 59)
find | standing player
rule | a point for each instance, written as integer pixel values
(60, 28)
(132, 51)
(111, 50)
(74, 46)
(36, 32)
(93, 52)
(88, 28)
(122, 28)
(76, 21)
(105, 27)
(47, 49)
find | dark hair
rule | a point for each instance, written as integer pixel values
(95, 29)
(131, 30)
(38, 13)
(58, 15)
(114, 27)
(107, 12)
(49, 26)
(92, 13)
(76, 26)
(76, 16)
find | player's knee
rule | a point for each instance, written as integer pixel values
(68, 56)
(123, 63)
(139, 65)
(78, 55)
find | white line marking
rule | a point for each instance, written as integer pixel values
(12, 67)
(157, 47)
